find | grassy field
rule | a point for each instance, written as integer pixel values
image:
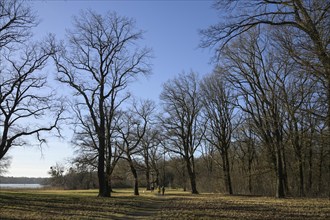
(83, 204)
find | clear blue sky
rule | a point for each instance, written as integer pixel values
(171, 31)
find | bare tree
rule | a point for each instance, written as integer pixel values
(16, 21)
(255, 73)
(296, 92)
(23, 106)
(154, 154)
(311, 18)
(247, 147)
(150, 144)
(219, 105)
(181, 120)
(303, 27)
(86, 141)
(101, 60)
(132, 129)
(57, 175)
(26, 102)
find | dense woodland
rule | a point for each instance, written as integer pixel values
(258, 124)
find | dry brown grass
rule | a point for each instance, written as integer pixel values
(83, 204)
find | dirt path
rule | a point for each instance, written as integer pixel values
(149, 208)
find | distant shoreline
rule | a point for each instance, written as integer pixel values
(23, 180)
(20, 186)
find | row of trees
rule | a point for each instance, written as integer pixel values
(262, 114)
(265, 100)
(296, 57)
(242, 140)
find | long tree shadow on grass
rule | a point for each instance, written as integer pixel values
(57, 206)
(29, 205)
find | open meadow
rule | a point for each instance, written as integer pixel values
(84, 204)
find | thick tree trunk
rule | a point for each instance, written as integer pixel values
(136, 186)
(108, 178)
(226, 173)
(135, 175)
(192, 176)
(101, 174)
(148, 180)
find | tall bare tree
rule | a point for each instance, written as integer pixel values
(101, 60)
(150, 144)
(132, 129)
(303, 26)
(255, 73)
(27, 105)
(247, 146)
(181, 120)
(219, 105)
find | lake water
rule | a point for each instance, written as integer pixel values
(20, 186)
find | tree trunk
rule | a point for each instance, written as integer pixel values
(184, 181)
(301, 178)
(192, 176)
(136, 181)
(300, 169)
(328, 125)
(310, 169)
(157, 178)
(108, 175)
(148, 174)
(319, 187)
(226, 172)
(250, 177)
(103, 192)
(279, 174)
(136, 186)
(285, 173)
(148, 180)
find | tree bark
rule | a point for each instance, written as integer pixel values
(147, 172)
(108, 176)
(319, 187)
(310, 170)
(250, 176)
(226, 172)
(279, 174)
(301, 178)
(135, 175)
(285, 173)
(101, 174)
(184, 181)
(192, 176)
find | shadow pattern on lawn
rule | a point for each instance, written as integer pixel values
(29, 205)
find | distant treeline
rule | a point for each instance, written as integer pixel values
(22, 180)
